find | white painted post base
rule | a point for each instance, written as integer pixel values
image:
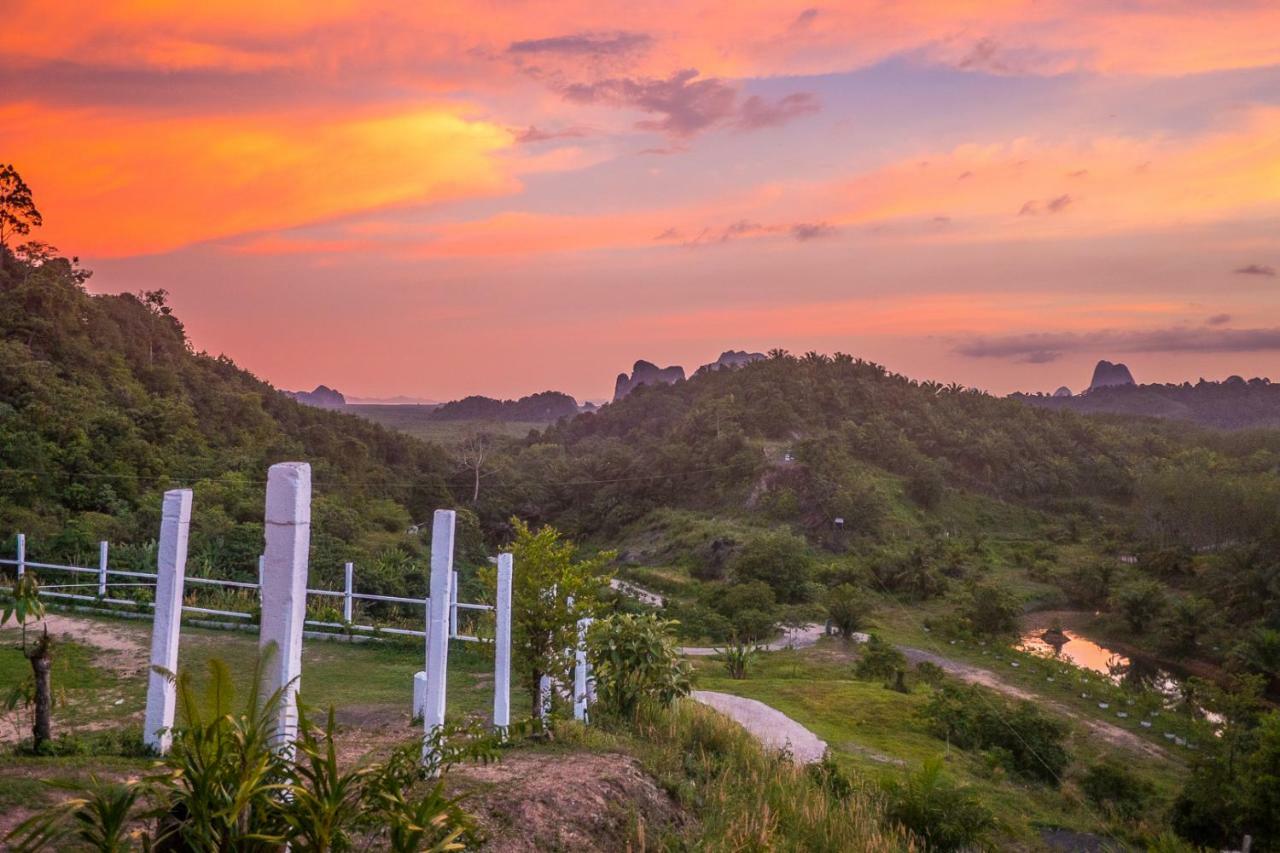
(502, 647)
(284, 590)
(438, 624)
(419, 694)
(171, 572)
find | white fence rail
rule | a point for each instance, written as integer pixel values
(102, 585)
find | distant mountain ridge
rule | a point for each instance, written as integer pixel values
(1108, 375)
(730, 359)
(646, 373)
(323, 397)
(1233, 403)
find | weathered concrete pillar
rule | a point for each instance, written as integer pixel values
(348, 584)
(419, 693)
(284, 589)
(544, 698)
(171, 573)
(438, 620)
(262, 567)
(453, 604)
(502, 646)
(102, 569)
(580, 672)
(22, 555)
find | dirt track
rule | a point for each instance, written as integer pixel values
(977, 675)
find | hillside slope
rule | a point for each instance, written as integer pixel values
(103, 405)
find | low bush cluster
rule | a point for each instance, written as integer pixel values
(1019, 736)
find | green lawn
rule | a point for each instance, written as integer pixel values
(878, 733)
(99, 686)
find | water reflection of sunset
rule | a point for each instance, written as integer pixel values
(1077, 650)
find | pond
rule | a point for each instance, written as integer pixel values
(1072, 647)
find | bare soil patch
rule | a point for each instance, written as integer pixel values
(566, 801)
(126, 646)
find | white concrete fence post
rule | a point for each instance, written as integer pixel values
(22, 554)
(102, 569)
(453, 604)
(502, 647)
(419, 694)
(442, 529)
(348, 585)
(171, 572)
(544, 698)
(580, 672)
(262, 567)
(284, 589)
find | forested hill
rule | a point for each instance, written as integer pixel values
(1232, 404)
(103, 405)
(795, 439)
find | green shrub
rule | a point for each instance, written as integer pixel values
(635, 660)
(1139, 602)
(848, 608)
(879, 660)
(1113, 789)
(1026, 740)
(943, 815)
(988, 609)
(780, 559)
(925, 485)
(737, 658)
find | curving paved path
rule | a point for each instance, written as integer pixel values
(773, 728)
(801, 638)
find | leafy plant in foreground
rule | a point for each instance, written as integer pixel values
(635, 660)
(226, 786)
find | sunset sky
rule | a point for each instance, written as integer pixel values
(438, 199)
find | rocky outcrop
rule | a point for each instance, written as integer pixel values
(646, 373)
(1064, 391)
(731, 358)
(323, 397)
(1108, 375)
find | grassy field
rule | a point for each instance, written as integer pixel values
(373, 676)
(878, 733)
(873, 732)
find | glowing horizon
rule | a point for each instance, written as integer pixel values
(438, 202)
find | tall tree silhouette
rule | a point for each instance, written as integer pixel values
(18, 213)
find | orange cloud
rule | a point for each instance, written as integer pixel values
(117, 184)
(1030, 188)
(719, 37)
(1017, 190)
